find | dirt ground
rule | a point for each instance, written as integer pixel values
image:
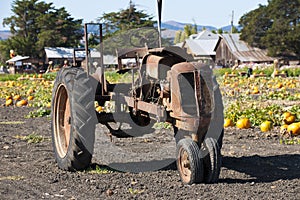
(255, 166)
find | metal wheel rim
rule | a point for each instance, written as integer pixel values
(62, 121)
(184, 165)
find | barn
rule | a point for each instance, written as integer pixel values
(230, 49)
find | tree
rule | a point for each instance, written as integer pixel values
(129, 28)
(234, 29)
(93, 40)
(125, 19)
(36, 24)
(220, 31)
(255, 24)
(274, 27)
(283, 36)
(181, 36)
(177, 36)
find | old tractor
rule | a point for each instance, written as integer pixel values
(167, 86)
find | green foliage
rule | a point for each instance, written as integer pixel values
(125, 19)
(234, 29)
(289, 141)
(50, 76)
(135, 191)
(255, 24)
(133, 38)
(40, 112)
(275, 27)
(162, 125)
(188, 30)
(100, 170)
(36, 24)
(267, 71)
(34, 138)
(9, 77)
(31, 138)
(129, 28)
(183, 36)
(93, 41)
(177, 37)
(114, 77)
(291, 72)
(222, 71)
(254, 112)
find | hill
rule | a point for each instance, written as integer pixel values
(4, 34)
(169, 28)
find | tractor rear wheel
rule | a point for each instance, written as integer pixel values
(73, 119)
(189, 161)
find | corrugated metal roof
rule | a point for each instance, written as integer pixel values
(17, 58)
(203, 44)
(234, 43)
(202, 47)
(244, 52)
(63, 52)
(253, 56)
(207, 35)
(67, 53)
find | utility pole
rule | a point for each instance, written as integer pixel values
(232, 16)
(159, 9)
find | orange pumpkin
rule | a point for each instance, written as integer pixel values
(243, 123)
(21, 103)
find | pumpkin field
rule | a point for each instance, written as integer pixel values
(257, 101)
(260, 150)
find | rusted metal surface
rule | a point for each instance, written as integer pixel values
(189, 124)
(183, 89)
(158, 66)
(198, 122)
(152, 66)
(67, 124)
(151, 108)
(184, 166)
(176, 104)
(62, 120)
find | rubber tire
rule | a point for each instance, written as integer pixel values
(83, 119)
(212, 160)
(220, 139)
(195, 158)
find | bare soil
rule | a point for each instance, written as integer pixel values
(255, 166)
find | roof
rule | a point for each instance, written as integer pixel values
(17, 58)
(203, 43)
(67, 53)
(62, 52)
(244, 52)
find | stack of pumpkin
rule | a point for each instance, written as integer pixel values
(289, 124)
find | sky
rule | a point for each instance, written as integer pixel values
(211, 12)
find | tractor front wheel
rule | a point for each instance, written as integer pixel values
(212, 160)
(189, 161)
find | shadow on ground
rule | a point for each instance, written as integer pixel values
(264, 168)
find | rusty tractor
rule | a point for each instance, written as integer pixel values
(167, 86)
